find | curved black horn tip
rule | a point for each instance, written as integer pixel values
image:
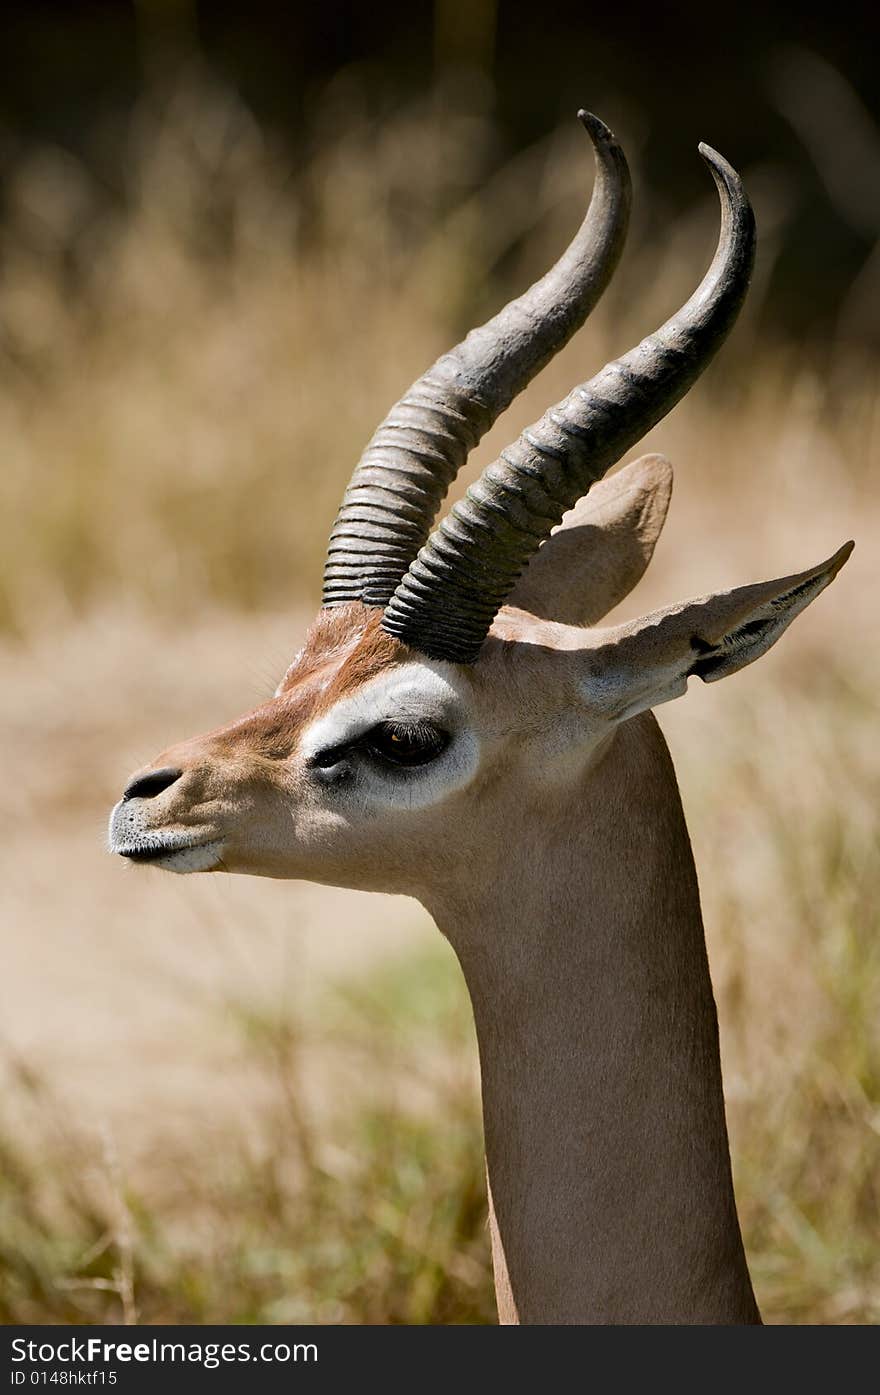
(737, 215)
(722, 171)
(611, 166)
(599, 133)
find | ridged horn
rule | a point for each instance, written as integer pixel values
(402, 478)
(446, 603)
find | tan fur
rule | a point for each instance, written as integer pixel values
(602, 547)
(556, 860)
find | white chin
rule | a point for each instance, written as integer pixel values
(200, 859)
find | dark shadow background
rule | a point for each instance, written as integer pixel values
(791, 87)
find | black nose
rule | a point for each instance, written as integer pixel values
(147, 786)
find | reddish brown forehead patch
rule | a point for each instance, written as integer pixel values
(344, 648)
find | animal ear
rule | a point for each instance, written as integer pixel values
(649, 661)
(601, 548)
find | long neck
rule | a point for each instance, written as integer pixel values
(606, 1141)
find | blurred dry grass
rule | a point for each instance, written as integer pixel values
(188, 373)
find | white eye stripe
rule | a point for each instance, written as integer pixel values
(414, 692)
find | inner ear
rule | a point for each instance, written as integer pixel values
(645, 662)
(751, 638)
(601, 548)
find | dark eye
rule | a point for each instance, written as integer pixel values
(406, 743)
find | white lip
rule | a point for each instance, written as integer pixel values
(154, 848)
(193, 857)
(172, 856)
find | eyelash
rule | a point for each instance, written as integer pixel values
(401, 744)
(405, 744)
